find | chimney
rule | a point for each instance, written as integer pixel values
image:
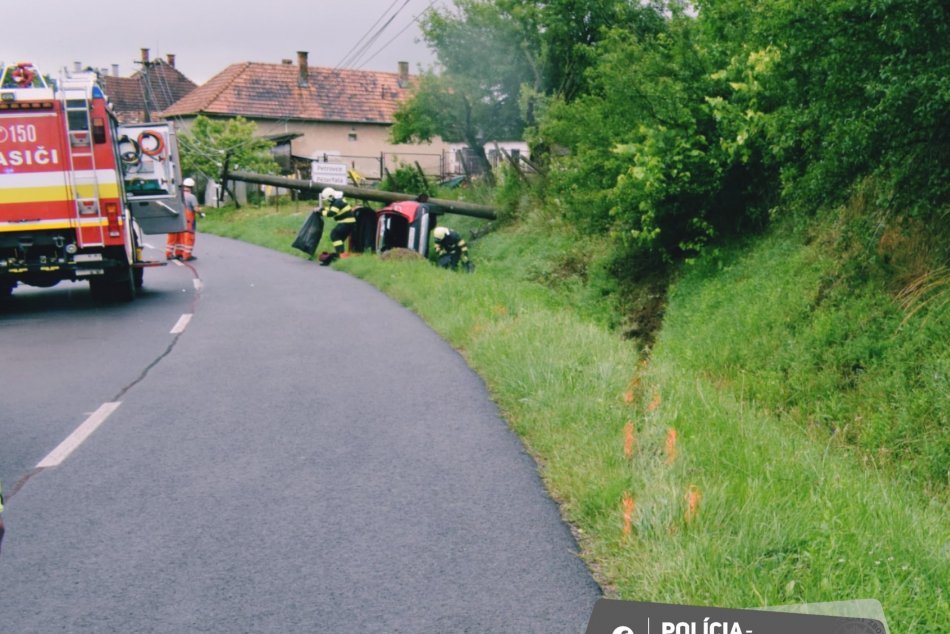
(303, 80)
(403, 74)
(77, 66)
(171, 59)
(115, 70)
(144, 57)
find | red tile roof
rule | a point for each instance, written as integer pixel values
(153, 91)
(271, 91)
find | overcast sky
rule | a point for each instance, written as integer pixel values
(207, 35)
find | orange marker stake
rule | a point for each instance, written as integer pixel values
(628, 507)
(629, 440)
(693, 496)
(671, 446)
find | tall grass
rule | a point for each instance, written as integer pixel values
(780, 322)
(718, 453)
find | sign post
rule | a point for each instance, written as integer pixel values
(331, 173)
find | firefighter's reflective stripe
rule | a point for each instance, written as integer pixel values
(173, 245)
(42, 225)
(38, 187)
(182, 244)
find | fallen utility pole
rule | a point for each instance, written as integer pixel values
(363, 193)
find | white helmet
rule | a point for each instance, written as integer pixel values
(328, 192)
(440, 232)
(188, 182)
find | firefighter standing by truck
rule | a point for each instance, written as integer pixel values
(334, 207)
(181, 245)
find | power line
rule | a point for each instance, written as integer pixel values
(353, 59)
(352, 56)
(393, 39)
(341, 63)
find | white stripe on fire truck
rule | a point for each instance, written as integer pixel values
(53, 177)
(34, 113)
(62, 451)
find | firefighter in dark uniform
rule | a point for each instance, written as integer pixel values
(450, 249)
(334, 207)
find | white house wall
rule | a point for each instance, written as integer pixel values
(359, 145)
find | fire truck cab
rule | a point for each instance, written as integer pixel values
(77, 189)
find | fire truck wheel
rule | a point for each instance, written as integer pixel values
(119, 287)
(123, 287)
(99, 289)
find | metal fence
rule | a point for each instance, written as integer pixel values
(374, 168)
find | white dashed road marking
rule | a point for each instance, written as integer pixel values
(56, 457)
(181, 324)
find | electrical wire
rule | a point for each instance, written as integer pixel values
(352, 60)
(357, 51)
(415, 20)
(342, 62)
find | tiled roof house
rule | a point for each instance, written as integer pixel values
(340, 115)
(156, 86)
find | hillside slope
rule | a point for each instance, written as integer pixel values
(782, 443)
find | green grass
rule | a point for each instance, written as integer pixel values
(756, 368)
(781, 322)
(271, 227)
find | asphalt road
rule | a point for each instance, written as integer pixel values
(302, 454)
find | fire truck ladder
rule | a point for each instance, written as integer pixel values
(82, 175)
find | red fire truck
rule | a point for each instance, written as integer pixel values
(77, 189)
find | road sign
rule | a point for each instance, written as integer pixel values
(330, 173)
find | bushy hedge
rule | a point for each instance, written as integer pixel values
(746, 107)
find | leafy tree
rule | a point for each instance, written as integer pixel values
(501, 59)
(562, 35)
(210, 143)
(475, 98)
(734, 109)
(643, 153)
(457, 110)
(864, 91)
(670, 124)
